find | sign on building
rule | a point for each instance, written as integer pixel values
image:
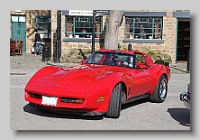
(80, 13)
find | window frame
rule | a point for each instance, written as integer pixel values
(72, 31)
(144, 15)
(140, 26)
(43, 30)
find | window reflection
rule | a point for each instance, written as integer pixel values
(82, 27)
(143, 28)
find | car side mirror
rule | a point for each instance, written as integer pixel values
(141, 66)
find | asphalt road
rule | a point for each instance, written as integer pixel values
(140, 115)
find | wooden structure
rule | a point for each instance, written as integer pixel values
(16, 47)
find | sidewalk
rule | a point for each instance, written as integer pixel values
(179, 67)
(19, 64)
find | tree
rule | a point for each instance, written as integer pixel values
(113, 22)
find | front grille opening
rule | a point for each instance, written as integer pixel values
(71, 100)
(35, 95)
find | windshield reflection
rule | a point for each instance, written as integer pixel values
(111, 59)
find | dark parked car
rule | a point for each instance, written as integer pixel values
(185, 97)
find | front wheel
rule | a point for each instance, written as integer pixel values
(114, 108)
(160, 92)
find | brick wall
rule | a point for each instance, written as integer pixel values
(53, 31)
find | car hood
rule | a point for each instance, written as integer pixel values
(81, 73)
(81, 77)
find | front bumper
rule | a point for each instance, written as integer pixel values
(79, 112)
(185, 97)
(90, 107)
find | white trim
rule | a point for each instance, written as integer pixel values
(14, 18)
(22, 19)
(80, 13)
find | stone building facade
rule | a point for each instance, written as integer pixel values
(170, 42)
(29, 25)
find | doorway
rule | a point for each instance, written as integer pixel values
(18, 27)
(183, 40)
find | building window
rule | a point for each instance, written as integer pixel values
(43, 24)
(145, 28)
(82, 27)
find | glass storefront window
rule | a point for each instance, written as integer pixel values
(43, 24)
(81, 26)
(143, 28)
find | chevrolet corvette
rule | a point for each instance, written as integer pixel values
(100, 85)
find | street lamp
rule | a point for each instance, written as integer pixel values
(58, 41)
(93, 31)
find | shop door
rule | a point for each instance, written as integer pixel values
(19, 29)
(183, 39)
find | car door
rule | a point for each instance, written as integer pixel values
(142, 77)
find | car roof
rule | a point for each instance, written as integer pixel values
(120, 51)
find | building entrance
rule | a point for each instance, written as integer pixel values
(183, 39)
(19, 29)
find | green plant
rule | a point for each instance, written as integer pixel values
(151, 53)
(119, 46)
(86, 51)
(125, 48)
(79, 57)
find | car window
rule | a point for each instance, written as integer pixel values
(111, 59)
(96, 58)
(141, 60)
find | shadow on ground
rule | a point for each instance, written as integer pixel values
(32, 110)
(181, 115)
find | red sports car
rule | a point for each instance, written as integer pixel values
(100, 85)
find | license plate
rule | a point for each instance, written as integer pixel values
(51, 101)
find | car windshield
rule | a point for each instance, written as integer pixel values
(111, 59)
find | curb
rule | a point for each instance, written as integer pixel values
(18, 73)
(61, 64)
(180, 70)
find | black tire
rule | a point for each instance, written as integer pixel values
(160, 93)
(114, 108)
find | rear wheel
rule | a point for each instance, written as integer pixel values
(160, 92)
(114, 108)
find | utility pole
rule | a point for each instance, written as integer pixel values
(58, 41)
